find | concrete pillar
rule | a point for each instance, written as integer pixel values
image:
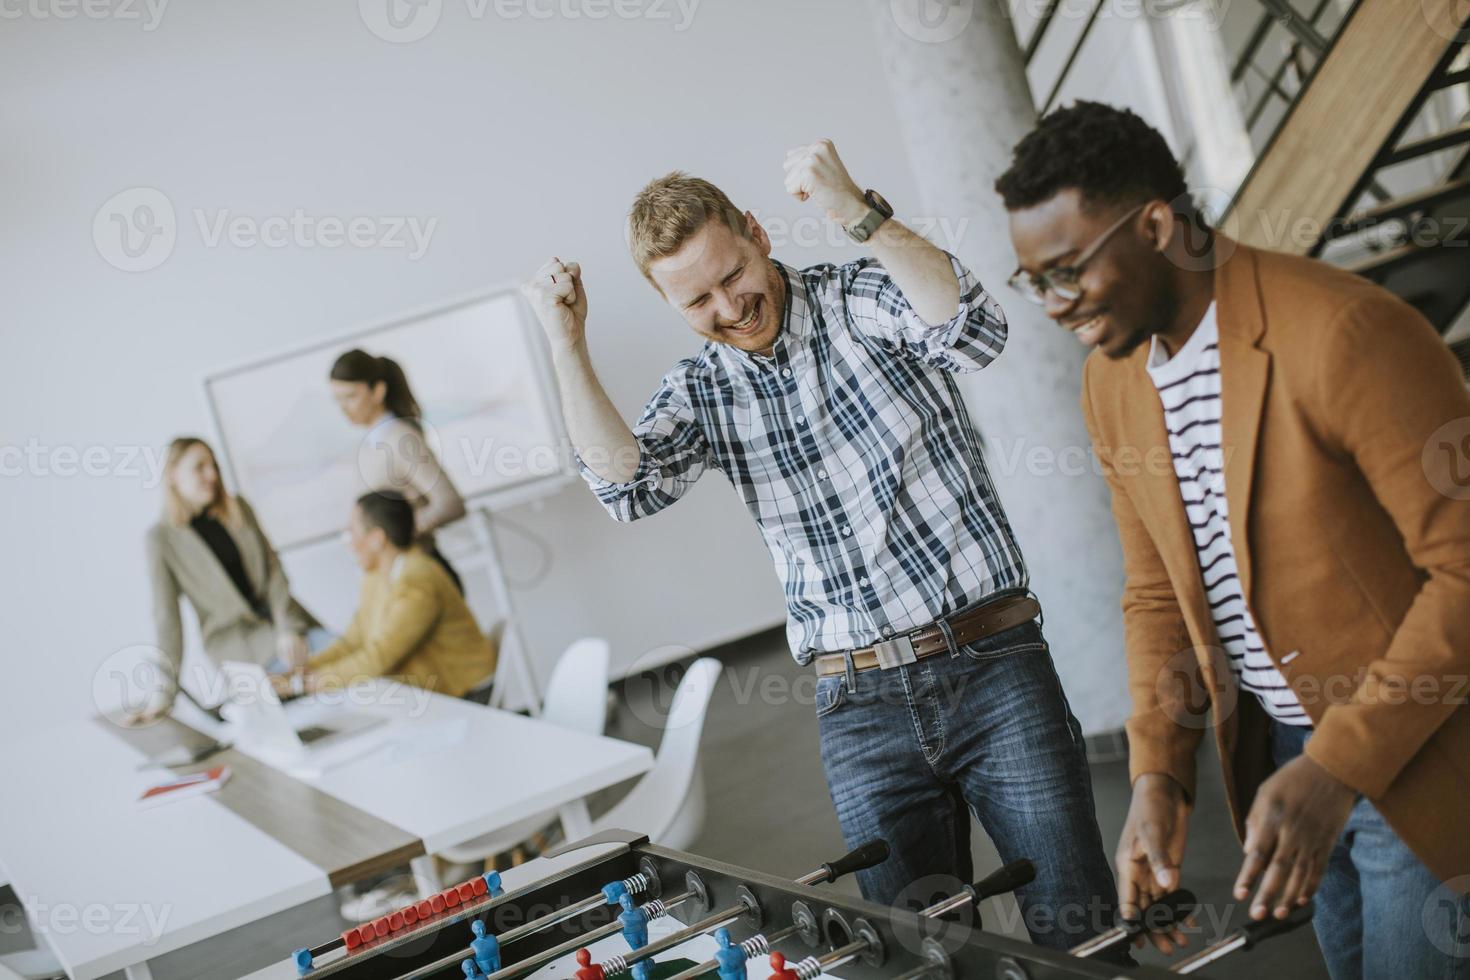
(959, 83)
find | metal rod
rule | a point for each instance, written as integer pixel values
(1034, 42)
(765, 941)
(722, 918)
(964, 897)
(532, 962)
(1072, 57)
(1100, 942)
(845, 954)
(1299, 27)
(1209, 954)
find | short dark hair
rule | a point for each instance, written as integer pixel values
(391, 512)
(1110, 155)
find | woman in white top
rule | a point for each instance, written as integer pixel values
(373, 393)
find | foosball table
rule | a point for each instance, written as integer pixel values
(615, 905)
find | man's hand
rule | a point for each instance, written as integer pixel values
(556, 295)
(1293, 825)
(815, 173)
(1151, 850)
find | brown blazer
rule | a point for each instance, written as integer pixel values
(1345, 429)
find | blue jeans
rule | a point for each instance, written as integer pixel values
(912, 751)
(1379, 912)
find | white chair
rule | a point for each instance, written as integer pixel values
(480, 693)
(576, 698)
(30, 964)
(668, 803)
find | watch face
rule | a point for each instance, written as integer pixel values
(878, 201)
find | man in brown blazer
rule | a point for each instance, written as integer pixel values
(1287, 447)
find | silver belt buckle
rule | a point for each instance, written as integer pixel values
(895, 652)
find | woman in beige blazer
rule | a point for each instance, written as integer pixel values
(395, 457)
(209, 548)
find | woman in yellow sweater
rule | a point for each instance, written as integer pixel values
(411, 621)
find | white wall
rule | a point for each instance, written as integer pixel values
(522, 137)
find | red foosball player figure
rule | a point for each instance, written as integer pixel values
(591, 971)
(778, 968)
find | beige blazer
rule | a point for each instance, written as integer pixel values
(1345, 421)
(180, 563)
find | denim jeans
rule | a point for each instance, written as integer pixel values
(912, 751)
(1379, 912)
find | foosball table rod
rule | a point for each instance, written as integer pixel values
(1006, 879)
(1245, 937)
(866, 856)
(1164, 914)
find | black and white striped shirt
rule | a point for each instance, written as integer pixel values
(1189, 386)
(852, 449)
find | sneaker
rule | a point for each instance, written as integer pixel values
(377, 903)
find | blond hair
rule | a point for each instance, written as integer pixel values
(175, 508)
(670, 211)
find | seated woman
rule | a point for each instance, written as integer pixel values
(209, 548)
(411, 621)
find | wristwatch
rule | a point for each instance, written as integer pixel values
(879, 211)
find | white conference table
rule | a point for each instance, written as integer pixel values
(109, 885)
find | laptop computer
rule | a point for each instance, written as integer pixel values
(308, 733)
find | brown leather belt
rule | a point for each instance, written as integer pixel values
(968, 626)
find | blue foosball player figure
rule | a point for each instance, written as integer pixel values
(486, 948)
(635, 923)
(471, 972)
(635, 931)
(731, 958)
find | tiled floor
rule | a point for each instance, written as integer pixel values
(768, 809)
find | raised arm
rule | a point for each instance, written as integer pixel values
(602, 439)
(633, 473)
(911, 295)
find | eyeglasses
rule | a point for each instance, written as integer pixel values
(1065, 281)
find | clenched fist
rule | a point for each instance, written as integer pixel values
(815, 173)
(556, 295)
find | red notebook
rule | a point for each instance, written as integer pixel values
(195, 784)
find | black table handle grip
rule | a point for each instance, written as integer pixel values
(864, 856)
(1255, 932)
(1164, 913)
(1007, 879)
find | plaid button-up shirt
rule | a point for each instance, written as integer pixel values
(852, 449)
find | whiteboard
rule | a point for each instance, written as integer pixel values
(479, 374)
